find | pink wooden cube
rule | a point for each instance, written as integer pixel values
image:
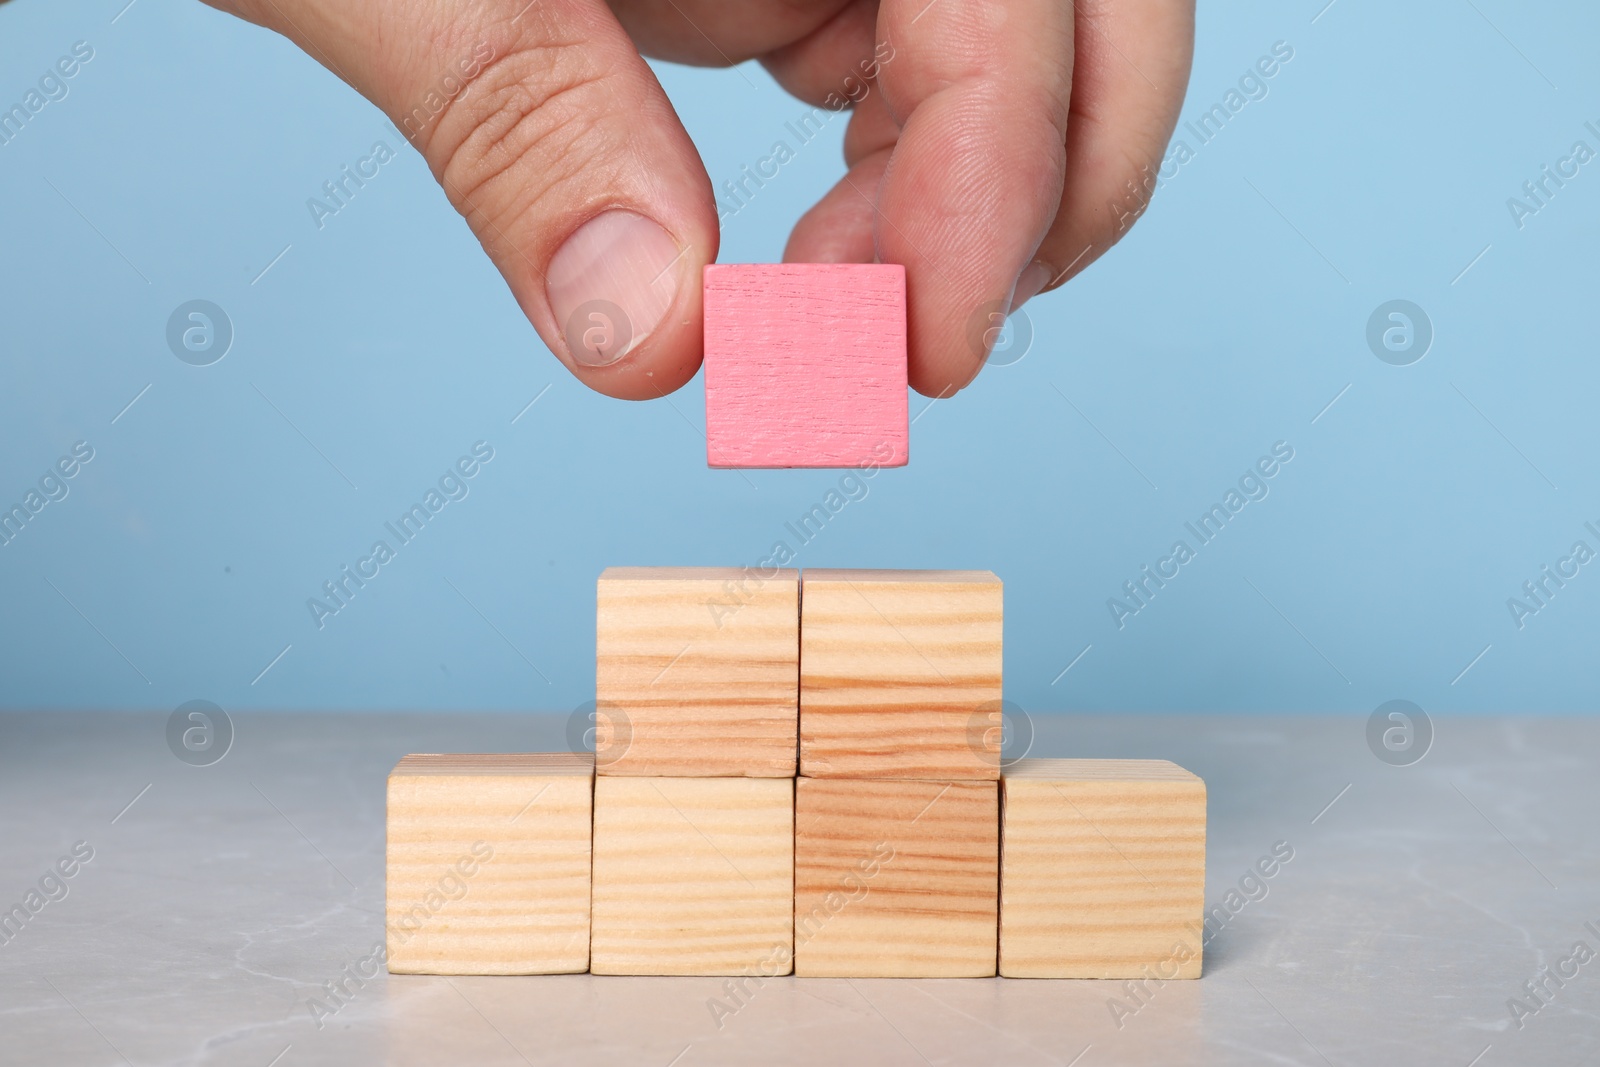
(806, 365)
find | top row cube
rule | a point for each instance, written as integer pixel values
(704, 672)
(805, 365)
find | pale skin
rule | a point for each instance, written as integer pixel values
(991, 155)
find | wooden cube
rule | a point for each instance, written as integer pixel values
(693, 876)
(895, 879)
(806, 365)
(900, 674)
(697, 671)
(488, 864)
(1103, 869)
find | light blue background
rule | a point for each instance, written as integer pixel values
(1378, 167)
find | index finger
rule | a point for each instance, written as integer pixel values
(981, 90)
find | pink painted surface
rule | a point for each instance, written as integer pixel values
(806, 365)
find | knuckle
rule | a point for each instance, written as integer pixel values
(535, 123)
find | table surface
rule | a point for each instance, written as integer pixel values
(1419, 901)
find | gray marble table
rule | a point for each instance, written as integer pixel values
(219, 899)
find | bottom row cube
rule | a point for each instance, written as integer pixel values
(895, 879)
(692, 875)
(488, 864)
(1065, 868)
(1103, 869)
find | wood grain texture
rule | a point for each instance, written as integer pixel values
(900, 674)
(488, 864)
(697, 672)
(805, 365)
(1102, 871)
(693, 876)
(895, 879)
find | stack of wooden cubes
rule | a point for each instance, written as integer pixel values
(796, 774)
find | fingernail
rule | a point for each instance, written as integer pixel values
(1034, 277)
(611, 284)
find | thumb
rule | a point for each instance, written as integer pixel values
(552, 137)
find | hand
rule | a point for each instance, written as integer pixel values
(996, 147)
